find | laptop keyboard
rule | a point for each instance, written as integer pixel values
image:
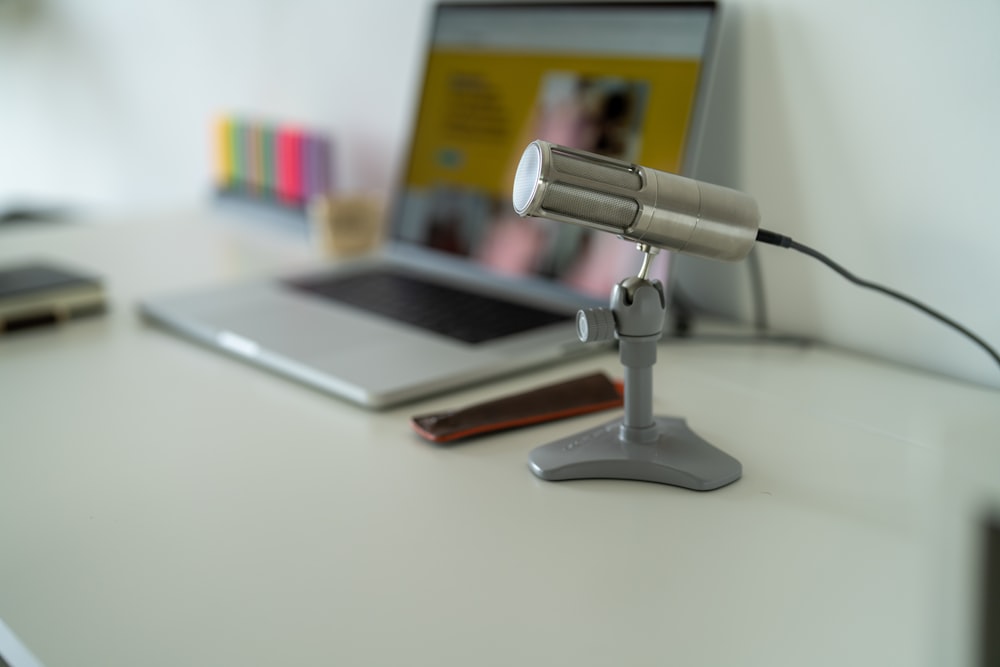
(459, 314)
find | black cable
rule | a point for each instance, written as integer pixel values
(772, 238)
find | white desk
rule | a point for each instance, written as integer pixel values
(161, 504)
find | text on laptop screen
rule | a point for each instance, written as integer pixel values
(620, 80)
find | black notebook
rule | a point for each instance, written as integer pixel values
(37, 294)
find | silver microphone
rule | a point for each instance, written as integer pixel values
(637, 203)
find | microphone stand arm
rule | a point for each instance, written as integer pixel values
(638, 446)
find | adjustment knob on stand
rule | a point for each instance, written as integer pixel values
(595, 325)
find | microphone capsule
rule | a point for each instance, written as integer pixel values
(577, 187)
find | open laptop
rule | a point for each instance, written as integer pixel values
(463, 290)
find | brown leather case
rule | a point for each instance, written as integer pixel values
(589, 393)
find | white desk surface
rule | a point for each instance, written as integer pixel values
(161, 504)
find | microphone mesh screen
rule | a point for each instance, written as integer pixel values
(596, 207)
(526, 178)
(600, 172)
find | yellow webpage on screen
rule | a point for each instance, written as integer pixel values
(479, 110)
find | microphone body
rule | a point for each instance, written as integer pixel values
(636, 203)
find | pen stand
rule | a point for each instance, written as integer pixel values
(638, 446)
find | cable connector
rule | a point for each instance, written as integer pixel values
(773, 238)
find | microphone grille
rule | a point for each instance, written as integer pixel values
(529, 169)
(604, 172)
(600, 208)
(538, 187)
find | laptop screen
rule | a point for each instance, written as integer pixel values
(621, 79)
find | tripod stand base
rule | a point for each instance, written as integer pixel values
(678, 457)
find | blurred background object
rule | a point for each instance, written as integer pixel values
(346, 226)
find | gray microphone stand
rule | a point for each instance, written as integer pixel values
(639, 446)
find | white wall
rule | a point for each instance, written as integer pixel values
(866, 128)
(870, 130)
(110, 102)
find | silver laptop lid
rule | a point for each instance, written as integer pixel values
(623, 79)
